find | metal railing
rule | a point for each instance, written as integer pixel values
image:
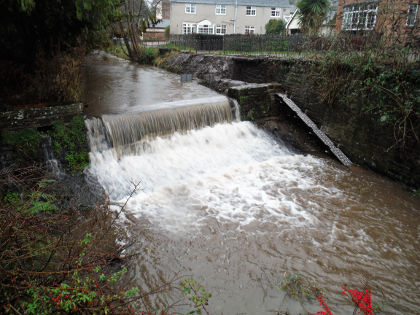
(275, 45)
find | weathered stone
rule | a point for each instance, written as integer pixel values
(38, 117)
(362, 137)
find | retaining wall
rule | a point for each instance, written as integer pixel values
(360, 135)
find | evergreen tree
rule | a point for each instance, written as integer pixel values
(312, 13)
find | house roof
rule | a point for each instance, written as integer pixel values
(255, 3)
(292, 18)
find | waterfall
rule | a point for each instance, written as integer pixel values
(51, 162)
(126, 132)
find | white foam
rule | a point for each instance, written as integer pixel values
(234, 173)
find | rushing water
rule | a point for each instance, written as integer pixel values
(115, 86)
(235, 210)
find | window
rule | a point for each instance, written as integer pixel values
(190, 8)
(220, 9)
(249, 30)
(412, 14)
(189, 28)
(360, 16)
(220, 29)
(251, 11)
(205, 29)
(275, 12)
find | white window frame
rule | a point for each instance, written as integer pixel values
(190, 8)
(251, 11)
(205, 29)
(413, 9)
(189, 28)
(275, 12)
(360, 16)
(249, 30)
(220, 29)
(220, 9)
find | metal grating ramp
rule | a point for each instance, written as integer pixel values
(322, 136)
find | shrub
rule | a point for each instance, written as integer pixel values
(148, 55)
(60, 260)
(25, 143)
(275, 26)
(167, 31)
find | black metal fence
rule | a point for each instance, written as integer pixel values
(271, 43)
(280, 44)
(297, 44)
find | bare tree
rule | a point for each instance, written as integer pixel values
(136, 18)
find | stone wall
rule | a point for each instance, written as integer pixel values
(38, 117)
(361, 136)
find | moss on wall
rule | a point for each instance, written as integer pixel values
(369, 108)
(69, 141)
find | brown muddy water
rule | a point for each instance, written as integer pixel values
(232, 208)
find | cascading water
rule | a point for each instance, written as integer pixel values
(118, 131)
(223, 202)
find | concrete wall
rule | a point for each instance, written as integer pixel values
(38, 117)
(208, 12)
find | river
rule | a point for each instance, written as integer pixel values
(222, 202)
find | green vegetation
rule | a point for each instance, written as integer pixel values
(25, 143)
(275, 26)
(70, 143)
(179, 47)
(389, 92)
(54, 259)
(117, 50)
(196, 294)
(167, 31)
(43, 43)
(33, 27)
(32, 202)
(312, 13)
(148, 55)
(298, 287)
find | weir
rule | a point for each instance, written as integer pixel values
(119, 131)
(236, 209)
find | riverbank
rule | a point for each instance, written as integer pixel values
(350, 99)
(233, 184)
(236, 210)
(61, 244)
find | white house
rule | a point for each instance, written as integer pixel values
(328, 25)
(222, 17)
(293, 25)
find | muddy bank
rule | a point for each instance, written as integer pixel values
(360, 134)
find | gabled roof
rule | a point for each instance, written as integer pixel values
(255, 3)
(291, 19)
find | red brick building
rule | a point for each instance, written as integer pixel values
(396, 20)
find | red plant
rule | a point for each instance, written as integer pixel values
(362, 299)
(324, 306)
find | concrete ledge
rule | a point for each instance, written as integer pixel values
(38, 117)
